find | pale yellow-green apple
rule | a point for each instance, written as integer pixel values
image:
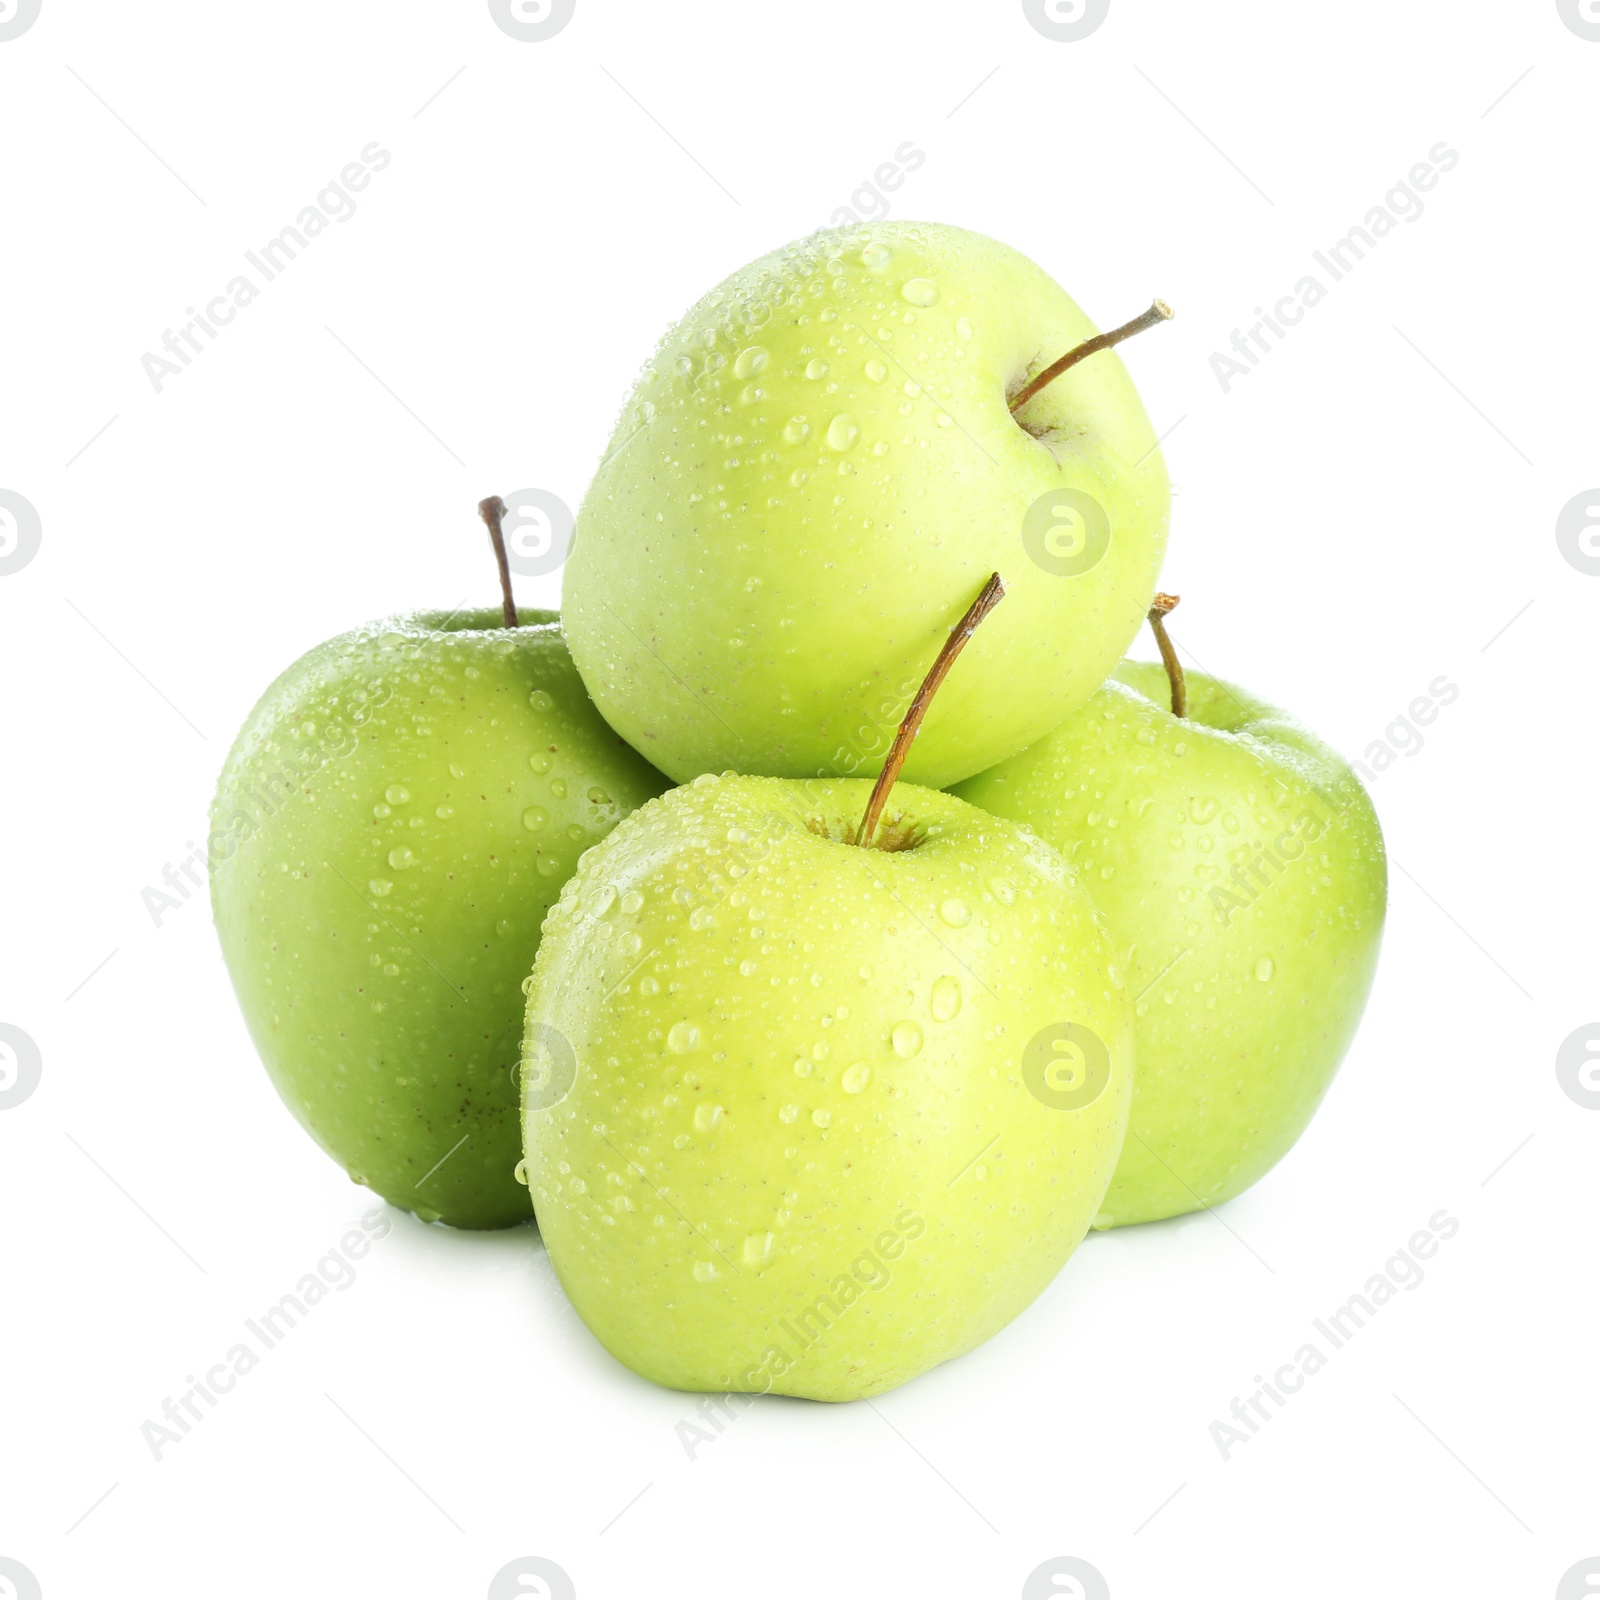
(807, 1116)
(398, 813)
(1240, 868)
(817, 468)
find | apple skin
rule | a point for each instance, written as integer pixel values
(816, 473)
(794, 1074)
(378, 897)
(1174, 826)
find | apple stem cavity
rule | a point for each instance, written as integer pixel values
(1159, 311)
(992, 593)
(493, 511)
(1159, 608)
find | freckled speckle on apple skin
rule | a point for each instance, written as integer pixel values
(1251, 978)
(879, 1139)
(379, 901)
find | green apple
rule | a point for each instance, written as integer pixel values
(396, 816)
(1239, 865)
(815, 471)
(809, 1118)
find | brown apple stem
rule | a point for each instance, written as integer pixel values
(1159, 311)
(1159, 607)
(992, 593)
(492, 511)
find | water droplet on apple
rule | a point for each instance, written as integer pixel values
(704, 1271)
(401, 857)
(1265, 969)
(749, 362)
(876, 256)
(919, 291)
(945, 1001)
(379, 886)
(906, 1038)
(540, 700)
(683, 1037)
(816, 368)
(535, 818)
(788, 1113)
(843, 432)
(963, 328)
(822, 1117)
(856, 1078)
(395, 795)
(520, 1172)
(759, 1249)
(706, 1118)
(876, 370)
(956, 912)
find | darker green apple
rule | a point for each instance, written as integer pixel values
(395, 818)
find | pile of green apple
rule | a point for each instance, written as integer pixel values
(817, 989)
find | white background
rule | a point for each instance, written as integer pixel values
(1372, 507)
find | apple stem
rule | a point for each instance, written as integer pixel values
(1159, 311)
(492, 511)
(1159, 607)
(992, 593)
